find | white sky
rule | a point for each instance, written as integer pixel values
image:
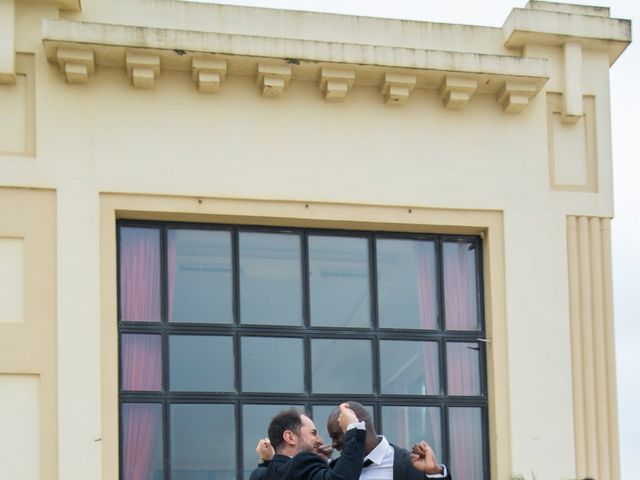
(625, 98)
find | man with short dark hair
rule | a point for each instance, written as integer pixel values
(384, 461)
(295, 440)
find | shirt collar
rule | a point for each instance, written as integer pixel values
(377, 454)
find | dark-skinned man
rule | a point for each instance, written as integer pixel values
(385, 461)
(295, 440)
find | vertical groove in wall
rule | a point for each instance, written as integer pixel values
(576, 346)
(610, 359)
(599, 346)
(592, 351)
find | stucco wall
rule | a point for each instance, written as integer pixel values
(172, 145)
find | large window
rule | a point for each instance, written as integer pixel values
(220, 327)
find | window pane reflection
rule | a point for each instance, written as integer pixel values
(270, 279)
(460, 291)
(339, 281)
(141, 357)
(199, 276)
(463, 368)
(409, 368)
(139, 274)
(466, 444)
(407, 425)
(201, 363)
(407, 296)
(341, 366)
(272, 364)
(255, 421)
(141, 438)
(203, 442)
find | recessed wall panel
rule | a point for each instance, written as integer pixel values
(11, 280)
(19, 427)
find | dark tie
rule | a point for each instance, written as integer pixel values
(366, 463)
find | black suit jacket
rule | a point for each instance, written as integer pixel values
(309, 466)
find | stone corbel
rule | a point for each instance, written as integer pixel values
(397, 88)
(514, 96)
(456, 92)
(335, 84)
(143, 69)
(76, 64)
(572, 107)
(208, 74)
(273, 78)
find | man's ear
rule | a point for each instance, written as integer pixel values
(290, 438)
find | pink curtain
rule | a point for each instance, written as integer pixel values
(140, 274)
(463, 372)
(428, 321)
(140, 429)
(141, 363)
(459, 287)
(426, 291)
(465, 430)
(171, 269)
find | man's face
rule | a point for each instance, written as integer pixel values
(308, 438)
(335, 432)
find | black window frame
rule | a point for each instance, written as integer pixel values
(375, 334)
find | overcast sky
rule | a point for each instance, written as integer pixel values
(625, 99)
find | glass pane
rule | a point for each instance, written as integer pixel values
(270, 279)
(255, 421)
(465, 443)
(141, 357)
(463, 368)
(203, 442)
(409, 368)
(272, 364)
(460, 290)
(201, 363)
(139, 274)
(405, 426)
(141, 439)
(339, 281)
(199, 276)
(341, 366)
(407, 296)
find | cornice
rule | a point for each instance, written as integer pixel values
(307, 60)
(548, 23)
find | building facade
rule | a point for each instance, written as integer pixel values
(209, 213)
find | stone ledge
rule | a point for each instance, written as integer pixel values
(551, 27)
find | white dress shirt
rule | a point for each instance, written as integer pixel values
(381, 467)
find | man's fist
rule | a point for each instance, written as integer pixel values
(346, 417)
(424, 460)
(264, 449)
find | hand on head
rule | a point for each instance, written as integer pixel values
(346, 417)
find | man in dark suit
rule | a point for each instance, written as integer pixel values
(295, 440)
(384, 461)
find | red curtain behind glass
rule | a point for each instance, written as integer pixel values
(140, 275)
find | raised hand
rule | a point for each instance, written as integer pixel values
(346, 416)
(264, 449)
(424, 460)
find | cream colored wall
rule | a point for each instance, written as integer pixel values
(110, 150)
